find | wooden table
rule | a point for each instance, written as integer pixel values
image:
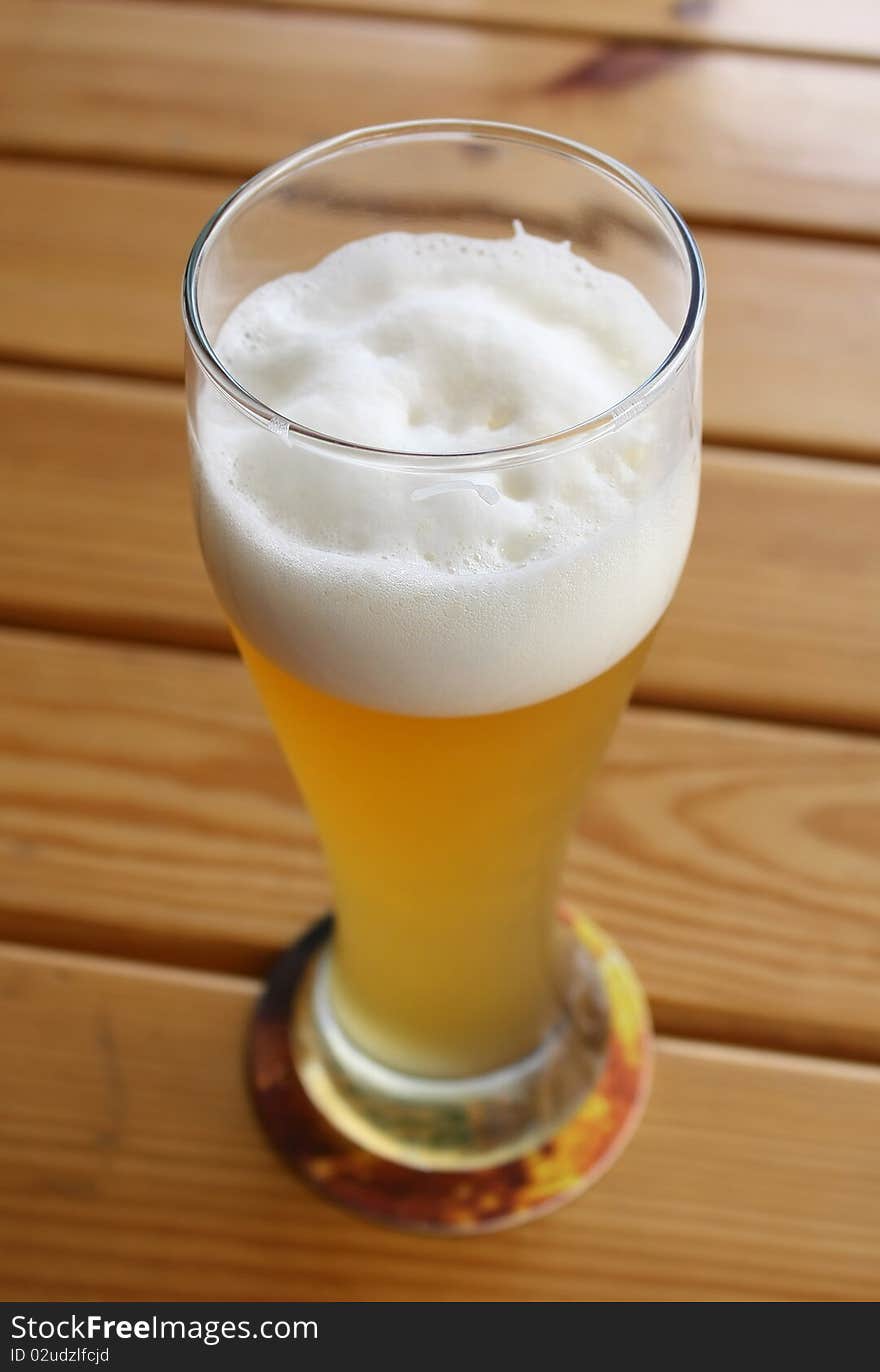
(154, 855)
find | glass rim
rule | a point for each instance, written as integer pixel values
(586, 430)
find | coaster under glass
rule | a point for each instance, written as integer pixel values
(460, 1156)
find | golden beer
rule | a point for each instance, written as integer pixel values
(444, 423)
(444, 838)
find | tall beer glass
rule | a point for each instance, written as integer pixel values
(443, 668)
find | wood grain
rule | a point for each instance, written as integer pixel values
(728, 138)
(146, 812)
(132, 1169)
(91, 261)
(772, 617)
(850, 29)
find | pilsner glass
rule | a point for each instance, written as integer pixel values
(444, 752)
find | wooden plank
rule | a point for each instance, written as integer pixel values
(90, 265)
(132, 1169)
(773, 616)
(850, 29)
(775, 613)
(729, 138)
(97, 528)
(85, 283)
(147, 812)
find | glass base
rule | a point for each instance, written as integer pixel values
(461, 1155)
(453, 1156)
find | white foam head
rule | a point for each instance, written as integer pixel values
(443, 594)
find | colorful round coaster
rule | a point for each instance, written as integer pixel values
(457, 1202)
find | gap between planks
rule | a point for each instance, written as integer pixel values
(848, 33)
(731, 223)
